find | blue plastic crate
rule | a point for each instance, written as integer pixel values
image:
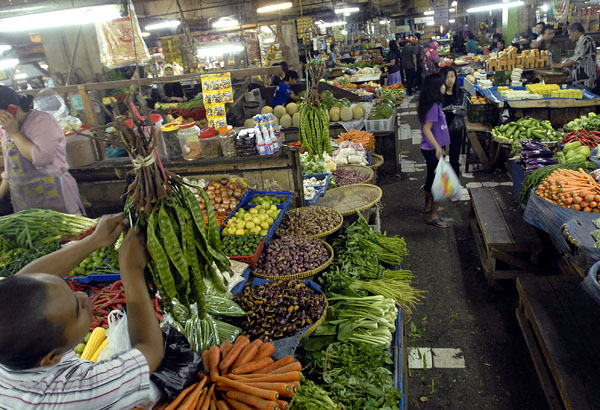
(109, 277)
(320, 177)
(283, 208)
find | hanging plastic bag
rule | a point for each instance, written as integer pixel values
(445, 184)
(117, 335)
(179, 366)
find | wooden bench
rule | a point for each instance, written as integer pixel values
(507, 245)
(560, 324)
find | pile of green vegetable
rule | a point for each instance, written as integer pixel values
(103, 260)
(534, 179)
(242, 245)
(524, 129)
(267, 199)
(591, 122)
(314, 117)
(573, 152)
(32, 233)
(312, 164)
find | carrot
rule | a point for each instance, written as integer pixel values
(213, 402)
(587, 209)
(214, 355)
(253, 366)
(222, 405)
(279, 363)
(569, 201)
(182, 396)
(576, 207)
(294, 386)
(283, 405)
(227, 343)
(191, 401)
(161, 405)
(205, 362)
(260, 404)
(237, 405)
(292, 367)
(593, 204)
(282, 377)
(240, 343)
(281, 388)
(266, 350)
(208, 397)
(247, 354)
(244, 388)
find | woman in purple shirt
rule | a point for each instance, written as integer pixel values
(434, 137)
(35, 159)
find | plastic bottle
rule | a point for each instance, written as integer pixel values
(260, 142)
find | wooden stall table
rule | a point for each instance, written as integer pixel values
(559, 321)
(506, 243)
(475, 131)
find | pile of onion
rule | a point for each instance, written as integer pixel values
(223, 195)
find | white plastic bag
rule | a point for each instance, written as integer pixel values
(117, 335)
(445, 184)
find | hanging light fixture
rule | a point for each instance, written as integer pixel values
(429, 13)
(495, 6)
(274, 7)
(225, 22)
(60, 18)
(347, 10)
(165, 24)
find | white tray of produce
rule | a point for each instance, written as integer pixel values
(385, 125)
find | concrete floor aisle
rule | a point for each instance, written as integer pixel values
(471, 343)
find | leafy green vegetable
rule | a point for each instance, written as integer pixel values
(591, 122)
(310, 396)
(357, 375)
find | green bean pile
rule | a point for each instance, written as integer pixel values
(182, 250)
(314, 117)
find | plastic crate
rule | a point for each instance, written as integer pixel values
(283, 208)
(481, 113)
(312, 202)
(251, 260)
(321, 188)
(386, 125)
(109, 277)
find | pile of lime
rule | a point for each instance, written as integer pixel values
(243, 245)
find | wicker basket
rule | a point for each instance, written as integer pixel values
(331, 231)
(376, 161)
(319, 322)
(363, 170)
(365, 196)
(301, 275)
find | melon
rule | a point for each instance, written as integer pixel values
(285, 121)
(266, 110)
(346, 114)
(296, 120)
(291, 108)
(279, 111)
(334, 114)
(249, 123)
(357, 112)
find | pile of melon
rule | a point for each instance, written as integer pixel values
(346, 113)
(287, 116)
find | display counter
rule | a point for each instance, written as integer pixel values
(103, 183)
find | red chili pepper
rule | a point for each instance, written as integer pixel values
(103, 312)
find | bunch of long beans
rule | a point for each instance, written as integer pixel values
(314, 117)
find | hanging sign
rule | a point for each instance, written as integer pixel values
(216, 92)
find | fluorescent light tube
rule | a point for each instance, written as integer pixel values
(225, 22)
(495, 6)
(60, 18)
(8, 63)
(429, 13)
(347, 10)
(333, 23)
(164, 24)
(274, 7)
(215, 51)
(20, 76)
(145, 34)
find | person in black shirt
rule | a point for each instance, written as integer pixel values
(170, 92)
(276, 79)
(393, 63)
(453, 97)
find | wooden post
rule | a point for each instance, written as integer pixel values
(91, 120)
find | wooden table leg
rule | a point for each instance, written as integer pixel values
(479, 151)
(494, 153)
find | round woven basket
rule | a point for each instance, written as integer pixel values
(376, 161)
(331, 231)
(319, 322)
(351, 198)
(363, 170)
(301, 275)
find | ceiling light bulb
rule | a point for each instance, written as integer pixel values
(452, 10)
(274, 7)
(165, 24)
(451, 21)
(545, 8)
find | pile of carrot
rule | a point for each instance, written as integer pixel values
(571, 189)
(240, 376)
(363, 137)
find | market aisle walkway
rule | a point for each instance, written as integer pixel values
(459, 311)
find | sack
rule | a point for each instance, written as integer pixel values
(445, 184)
(457, 126)
(117, 335)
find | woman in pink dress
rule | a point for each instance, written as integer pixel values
(35, 159)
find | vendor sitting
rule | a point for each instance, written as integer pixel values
(545, 39)
(284, 92)
(42, 320)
